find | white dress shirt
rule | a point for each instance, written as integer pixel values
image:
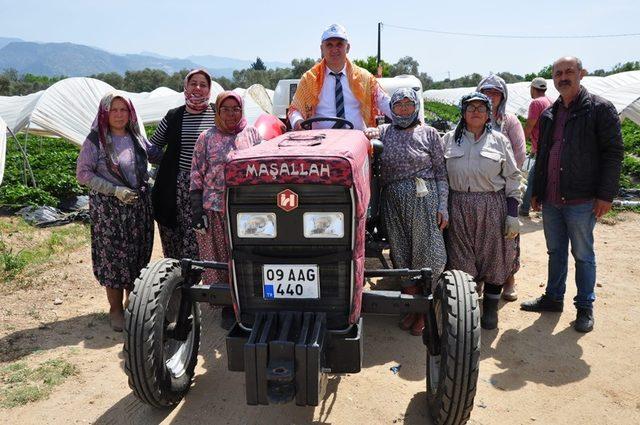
(327, 103)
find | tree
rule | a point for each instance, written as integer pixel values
(426, 80)
(144, 81)
(546, 72)
(11, 74)
(371, 65)
(5, 85)
(114, 79)
(225, 82)
(258, 65)
(624, 67)
(510, 78)
(175, 81)
(300, 66)
(405, 66)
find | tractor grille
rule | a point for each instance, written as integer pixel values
(333, 256)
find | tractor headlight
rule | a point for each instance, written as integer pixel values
(323, 225)
(257, 225)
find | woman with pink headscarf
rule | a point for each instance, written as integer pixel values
(210, 155)
(177, 133)
(113, 164)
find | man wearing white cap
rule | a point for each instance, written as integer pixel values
(539, 103)
(337, 88)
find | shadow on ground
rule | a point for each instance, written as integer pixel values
(383, 343)
(91, 329)
(519, 355)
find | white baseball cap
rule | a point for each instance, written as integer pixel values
(335, 31)
(539, 83)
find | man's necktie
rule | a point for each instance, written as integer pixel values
(339, 97)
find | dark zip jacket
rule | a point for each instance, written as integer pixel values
(592, 150)
(163, 195)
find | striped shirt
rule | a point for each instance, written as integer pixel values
(192, 126)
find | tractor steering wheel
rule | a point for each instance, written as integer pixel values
(306, 124)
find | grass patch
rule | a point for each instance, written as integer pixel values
(613, 216)
(20, 384)
(24, 263)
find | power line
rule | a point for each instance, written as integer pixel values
(466, 34)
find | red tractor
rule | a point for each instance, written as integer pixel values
(297, 211)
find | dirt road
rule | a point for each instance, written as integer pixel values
(534, 368)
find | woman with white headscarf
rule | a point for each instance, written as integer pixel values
(414, 193)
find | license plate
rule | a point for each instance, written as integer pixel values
(290, 281)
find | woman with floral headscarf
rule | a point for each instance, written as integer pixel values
(484, 182)
(113, 164)
(178, 132)
(495, 88)
(414, 193)
(210, 155)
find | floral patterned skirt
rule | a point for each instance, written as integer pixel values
(121, 238)
(214, 247)
(415, 238)
(180, 241)
(475, 237)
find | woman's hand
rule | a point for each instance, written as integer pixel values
(511, 227)
(200, 224)
(372, 133)
(442, 222)
(126, 195)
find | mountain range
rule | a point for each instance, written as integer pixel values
(75, 60)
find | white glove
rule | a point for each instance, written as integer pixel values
(201, 225)
(511, 227)
(126, 195)
(372, 133)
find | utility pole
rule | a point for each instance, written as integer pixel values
(379, 59)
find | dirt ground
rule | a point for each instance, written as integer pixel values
(534, 368)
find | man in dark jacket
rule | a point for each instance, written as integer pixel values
(576, 178)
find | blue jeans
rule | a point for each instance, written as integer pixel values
(526, 199)
(573, 223)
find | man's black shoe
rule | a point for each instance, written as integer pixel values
(584, 320)
(543, 303)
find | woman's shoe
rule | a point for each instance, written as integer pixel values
(418, 325)
(489, 318)
(509, 292)
(407, 321)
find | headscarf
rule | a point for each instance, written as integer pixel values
(496, 83)
(102, 129)
(464, 102)
(193, 101)
(402, 122)
(218, 119)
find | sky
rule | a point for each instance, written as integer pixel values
(282, 31)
